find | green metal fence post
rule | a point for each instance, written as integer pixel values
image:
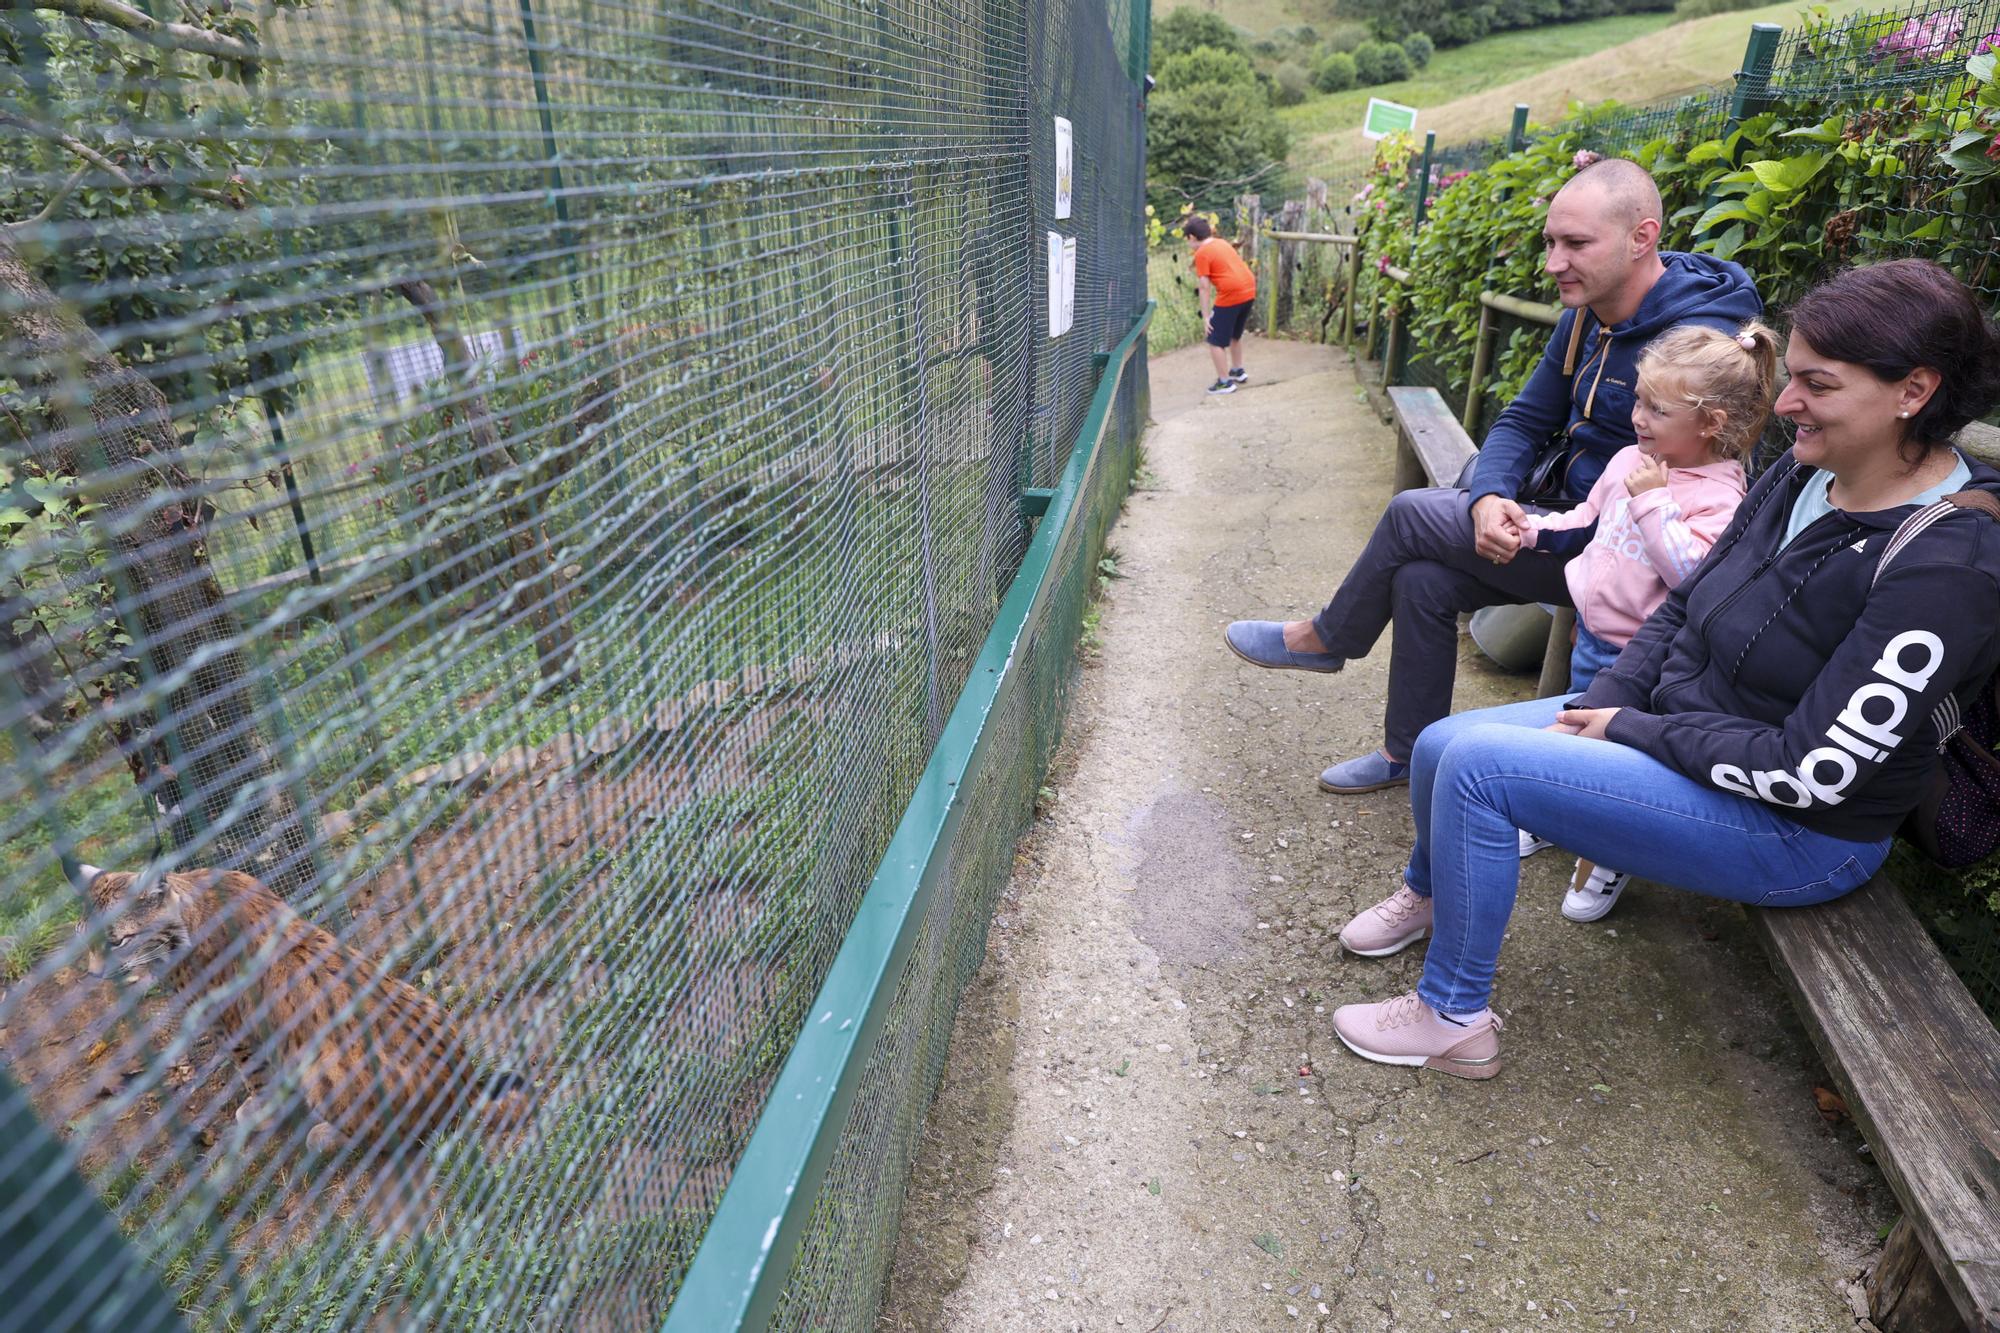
(1753, 89)
(83, 1273)
(1753, 81)
(1517, 133)
(1424, 179)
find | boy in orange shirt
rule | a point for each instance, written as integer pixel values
(1228, 290)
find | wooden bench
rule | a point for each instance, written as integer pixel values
(1915, 1059)
(1432, 449)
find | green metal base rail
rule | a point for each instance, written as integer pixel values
(746, 1255)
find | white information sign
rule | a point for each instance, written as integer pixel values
(1069, 283)
(1065, 169)
(1062, 284)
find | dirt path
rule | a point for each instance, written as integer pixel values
(1147, 1123)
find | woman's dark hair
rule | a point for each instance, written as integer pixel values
(1197, 227)
(1897, 315)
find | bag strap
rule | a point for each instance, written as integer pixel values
(1946, 718)
(1908, 530)
(1575, 342)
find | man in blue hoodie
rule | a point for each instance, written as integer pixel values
(1440, 551)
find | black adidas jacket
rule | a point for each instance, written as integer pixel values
(1785, 677)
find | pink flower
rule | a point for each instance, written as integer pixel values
(1990, 42)
(1930, 35)
(1381, 263)
(1584, 157)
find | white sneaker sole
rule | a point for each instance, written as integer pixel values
(1385, 951)
(1377, 1056)
(1530, 844)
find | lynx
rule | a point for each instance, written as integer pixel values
(379, 1061)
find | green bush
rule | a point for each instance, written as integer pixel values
(1348, 35)
(1294, 85)
(1336, 73)
(1419, 47)
(1186, 29)
(1380, 62)
(1204, 64)
(1211, 132)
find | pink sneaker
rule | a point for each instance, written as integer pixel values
(1399, 920)
(1406, 1031)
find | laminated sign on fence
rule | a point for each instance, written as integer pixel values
(498, 509)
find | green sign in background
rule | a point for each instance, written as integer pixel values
(1386, 118)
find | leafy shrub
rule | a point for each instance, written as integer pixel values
(1380, 62)
(1204, 64)
(1210, 131)
(1185, 29)
(1336, 73)
(1294, 85)
(1346, 36)
(1419, 47)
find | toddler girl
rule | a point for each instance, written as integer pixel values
(1702, 399)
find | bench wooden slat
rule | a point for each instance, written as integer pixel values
(1437, 445)
(1919, 1065)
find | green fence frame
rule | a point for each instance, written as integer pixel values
(746, 1254)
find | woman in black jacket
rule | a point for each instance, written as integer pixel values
(1769, 727)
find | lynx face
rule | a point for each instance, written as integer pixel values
(144, 932)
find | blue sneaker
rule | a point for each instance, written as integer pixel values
(1262, 643)
(1371, 772)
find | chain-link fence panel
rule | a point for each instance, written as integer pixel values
(499, 503)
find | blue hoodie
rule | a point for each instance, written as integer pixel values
(1595, 402)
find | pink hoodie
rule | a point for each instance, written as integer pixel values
(1645, 543)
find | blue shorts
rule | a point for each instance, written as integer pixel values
(1228, 323)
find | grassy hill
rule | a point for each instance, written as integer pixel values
(1469, 92)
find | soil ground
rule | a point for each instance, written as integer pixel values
(1146, 1122)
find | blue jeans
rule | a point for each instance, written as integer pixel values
(1477, 777)
(1590, 656)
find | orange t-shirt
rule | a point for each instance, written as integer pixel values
(1217, 260)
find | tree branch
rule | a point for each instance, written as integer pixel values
(180, 36)
(55, 202)
(76, 147)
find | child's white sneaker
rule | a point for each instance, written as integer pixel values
(1593, 891)
(1530, 844)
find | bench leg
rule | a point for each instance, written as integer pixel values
(1904, 1294)
(1555, 658)
(1409, 468)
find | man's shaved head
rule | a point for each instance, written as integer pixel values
(1623, 190)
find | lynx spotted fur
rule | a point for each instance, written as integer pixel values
(379, 1061)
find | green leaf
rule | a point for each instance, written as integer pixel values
(1269, 1244)
(1727, 211)
(1930, 231)
(1153, 1186)
(1601, 1087)
(1827, 131)
(1707, 151)
(1729, 242)
(1786, 174)
(13, 517)
(1980, 66)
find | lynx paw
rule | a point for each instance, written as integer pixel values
(252, 1113)
(322, 1138)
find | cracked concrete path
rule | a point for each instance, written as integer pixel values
(1147, 1123)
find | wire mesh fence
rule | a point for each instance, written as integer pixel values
(499, 502)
